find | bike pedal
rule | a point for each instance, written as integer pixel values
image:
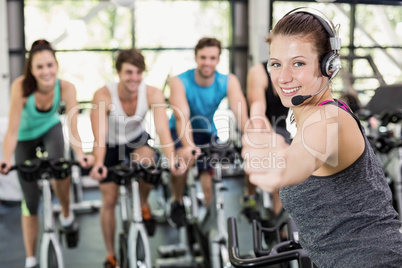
(61, 232)
(72, 239)
(223, 188)
(197, 250)
(172, 251)
(72, 235)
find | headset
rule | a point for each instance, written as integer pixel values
(331, 63)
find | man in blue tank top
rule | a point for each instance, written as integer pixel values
(195, 97)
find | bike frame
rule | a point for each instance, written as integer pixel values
(49, 236)
(136, 229)
(185, 258)
(215, 227)
(398, 182)
(124, 200)
(210, 234)
(50, 240)
(212, 231)
(282, 252)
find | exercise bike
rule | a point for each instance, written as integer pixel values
(387, 145)
(384, 133)
(180, 255)
(77, 202)
(44, 169)
(205, 240)
(134, 248)
(283, 252)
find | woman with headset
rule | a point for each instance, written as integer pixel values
(330, 181)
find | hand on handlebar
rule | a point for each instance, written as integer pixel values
(86, 160)
(5, 167)
(188, 156)
(191, 152)
(177, 167)
(98, 172)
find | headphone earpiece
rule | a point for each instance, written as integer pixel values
(330, 63)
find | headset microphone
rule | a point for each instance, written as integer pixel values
(299, 99)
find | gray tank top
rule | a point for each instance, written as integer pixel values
(347, 220)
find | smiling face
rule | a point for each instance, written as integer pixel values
(44, 68)
(130, 77)
(294, 67)
(207, 59)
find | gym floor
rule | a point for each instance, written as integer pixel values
(90, 252)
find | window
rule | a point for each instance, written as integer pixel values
(371, 53)
(87, 34)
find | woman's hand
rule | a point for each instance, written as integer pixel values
(263, 153)
(5, 167)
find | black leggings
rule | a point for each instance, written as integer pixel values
(53, 143)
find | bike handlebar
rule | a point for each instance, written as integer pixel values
(3, 165)
(282, 252)
(33, 169)
(385, 117)
(221, 151)
(123, 173)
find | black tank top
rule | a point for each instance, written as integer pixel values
(347, 219)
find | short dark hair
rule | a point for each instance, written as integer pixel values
(132, 56)
(208, 42)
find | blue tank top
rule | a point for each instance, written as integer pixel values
(35, 123)
(347, 219)
(203, 101)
